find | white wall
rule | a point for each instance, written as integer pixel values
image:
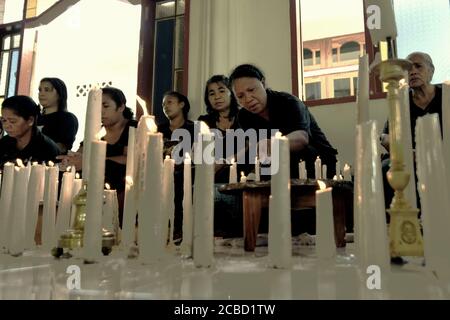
(224, 34)
(87, 45)
(338, 122)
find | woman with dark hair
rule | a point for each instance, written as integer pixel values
(24, 141)
(266, 109)
(117, 119)
(221, 105)
(222, 109)
(176, 108)
(55, 121)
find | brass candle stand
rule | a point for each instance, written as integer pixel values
(404, 229)
(73, 238)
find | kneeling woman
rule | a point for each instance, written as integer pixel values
(24, 141)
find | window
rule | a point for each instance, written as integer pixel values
(332, 50)
(341, 87)
(335, 54)
(169, 52)
(9, 64)
(349, 51)
(313, 91)
(307, 57)
(317, 61)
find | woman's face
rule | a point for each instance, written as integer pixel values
(14, 125)
(420, 73)
(111, 114)
(172, 107)
(48, 96)
(219, 96)
(251, 94)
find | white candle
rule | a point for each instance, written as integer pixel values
(92, 241)
(129, 214)
(318, 168)
(257, 170)
(302, 170)
(280, 237)
(152, 236)
(446, 123)
(6, 203)
(187, 208)
(243, 177)
(372, 242)
(65, 203)
(130, 207)
(233, 172)
(35, 190)
(77, 185)
(347, 173)
(203, 250)
(433, 190)
(362, 102)
(325, 243)
(92, 126)
(110, 197)
(19, 203)
(324, 171)
(49, 210)
(145, 126)
(168, 206)
(338, 169)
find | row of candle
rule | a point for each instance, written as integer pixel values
(320, 171)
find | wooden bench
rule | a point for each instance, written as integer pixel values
(255, 197)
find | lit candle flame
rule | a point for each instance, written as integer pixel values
(129, 180)
(322, 185)
(35, 163)
(101, 134)
(51, 164)
(107, 186)
(278, 135)
(150, 123)
(143, 104)
(69, 168)
(187, 156)
(204, 129)
(77, 176)
(20, 163)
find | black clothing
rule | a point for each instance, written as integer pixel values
(415, 112)
(179, 170)
(435, 106)
(222, 176)
(287, 114)
(115, 172)
(39, 149)
(60, 126)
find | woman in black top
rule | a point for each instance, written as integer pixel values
(176, 108)
(55, 121)
(222, 110)
(117, 119)
(24, 141)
